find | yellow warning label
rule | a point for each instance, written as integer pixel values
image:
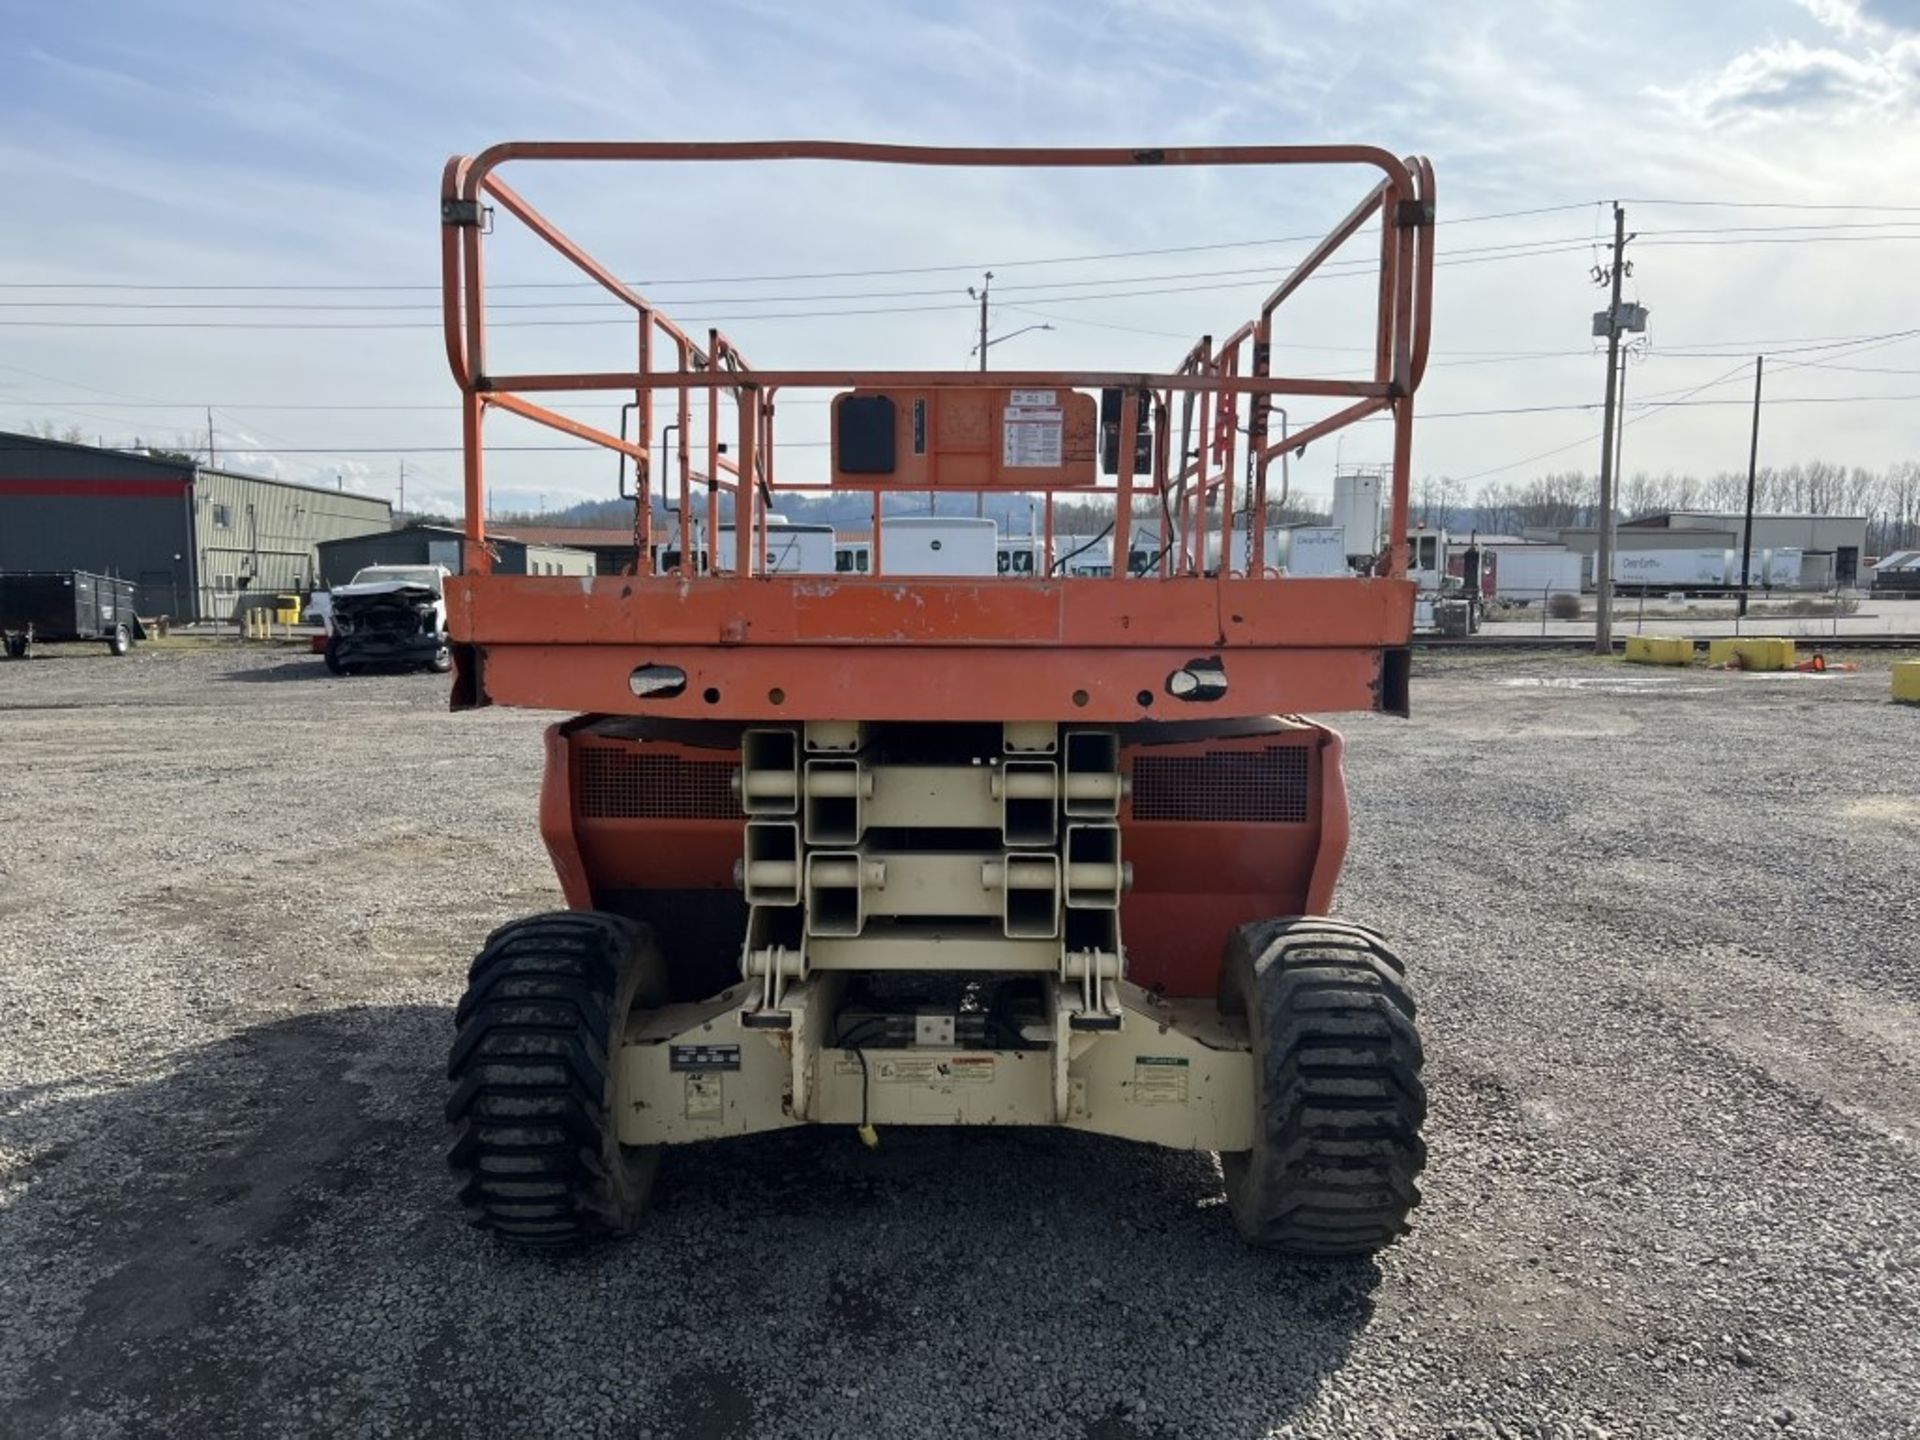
(703, 1096)
(1160, 1080)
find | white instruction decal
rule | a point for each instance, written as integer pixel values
(1160, 1080)
(1032, 435)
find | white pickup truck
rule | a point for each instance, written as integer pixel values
(389, 615)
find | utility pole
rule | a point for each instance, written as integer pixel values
(403, 488)
(986, 284)
(209, 437)
(1603, 566)
(1620, 427)
(1753, 463)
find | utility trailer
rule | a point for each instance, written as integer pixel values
(60, 605)
(875, 849)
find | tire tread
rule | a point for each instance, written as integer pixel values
(1337, 1058)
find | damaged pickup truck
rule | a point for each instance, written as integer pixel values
(390, 615)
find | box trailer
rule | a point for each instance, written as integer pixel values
(58, 605)
(1532, 573)
(1701, 569)
(1707, 569)
(1310, 550)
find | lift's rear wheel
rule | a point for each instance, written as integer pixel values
(535, 1078)
(1339, 1103)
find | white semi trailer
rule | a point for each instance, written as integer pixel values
(1530, 573)
(1706, 569)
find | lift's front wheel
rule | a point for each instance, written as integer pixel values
(535, 1071)
(1338, 1103)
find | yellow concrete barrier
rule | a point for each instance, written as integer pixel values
(1659, 650)
(1752, 652)
(1906, 681)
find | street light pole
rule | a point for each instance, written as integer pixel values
(1753, 464)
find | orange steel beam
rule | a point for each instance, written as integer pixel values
(966, 157)
(927, 379)
(1336, 421)
(566, 425)
(1423, 331)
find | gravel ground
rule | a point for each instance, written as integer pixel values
(1664, 929)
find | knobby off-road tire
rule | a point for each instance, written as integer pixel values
(535, 1078)
(1338, 1103)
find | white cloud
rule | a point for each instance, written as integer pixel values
(1872, 73)
(1865, 17)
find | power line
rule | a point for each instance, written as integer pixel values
(1647, 408)
(1334, 270)
(1263, 272)
(959, 268)
(1509, 250)
(1770, 205)
(1589, 439)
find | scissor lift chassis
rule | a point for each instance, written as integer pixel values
(873, 850)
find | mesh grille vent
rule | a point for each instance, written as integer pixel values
(618, 783)
(1256, 786)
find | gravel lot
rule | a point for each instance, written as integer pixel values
(1666, 932)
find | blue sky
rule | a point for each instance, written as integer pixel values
(191, 144)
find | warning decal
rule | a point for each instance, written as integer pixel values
(1031, 433)
(1160, 1080)
(941, 1072)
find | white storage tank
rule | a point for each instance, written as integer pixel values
(1356, 510)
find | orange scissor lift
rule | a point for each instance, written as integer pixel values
(892, 848)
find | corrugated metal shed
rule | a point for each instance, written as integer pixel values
(612, 548)
(195, 540)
